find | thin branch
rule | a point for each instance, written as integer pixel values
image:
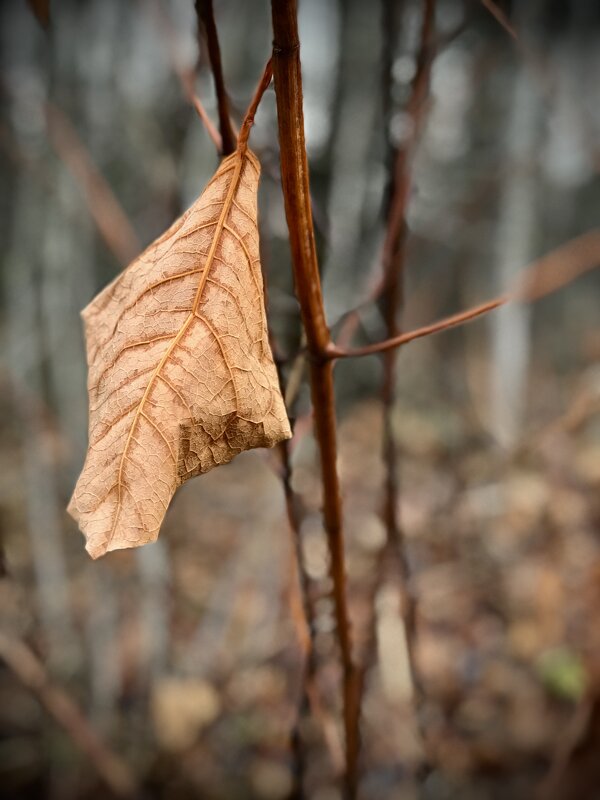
(105, 209)
(418, 333)
(538, 63)
(545, 276)
(301, 594)
(396, 227)
(305, 625)
(213, 133)
(383, 275)
(110, 767)
(206, 21)
(579, 739)
(295, 182)
(304, 618)
(302, 609)
(500, 17)
(295, 377)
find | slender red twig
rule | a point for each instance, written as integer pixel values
(41, 10)
(309, 699)
(427, 330)
(545, 276)
(388, 279)
(214, 134)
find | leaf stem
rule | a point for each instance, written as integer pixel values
(248, 122)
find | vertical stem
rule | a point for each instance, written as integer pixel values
(309, 667)
(294, 175)
(206, 19)
(391, 11)
(393, 258)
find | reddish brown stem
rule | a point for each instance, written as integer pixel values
(41, 11)
(309, 669)
(427, 330)
(206, 20)
(394, 265)
(309, 695)
(294, 176)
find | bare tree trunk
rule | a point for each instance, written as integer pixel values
(514, 244)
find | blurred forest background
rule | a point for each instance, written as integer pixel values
(183, 654)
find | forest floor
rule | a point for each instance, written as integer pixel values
(199, 691)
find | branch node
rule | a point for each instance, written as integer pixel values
(288, 50)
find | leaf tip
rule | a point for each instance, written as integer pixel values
(95, 551)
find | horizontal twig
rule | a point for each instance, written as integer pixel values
(545, 276)
(427, 330)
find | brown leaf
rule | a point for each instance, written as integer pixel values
(181, 376)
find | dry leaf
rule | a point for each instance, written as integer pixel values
(181, 376)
